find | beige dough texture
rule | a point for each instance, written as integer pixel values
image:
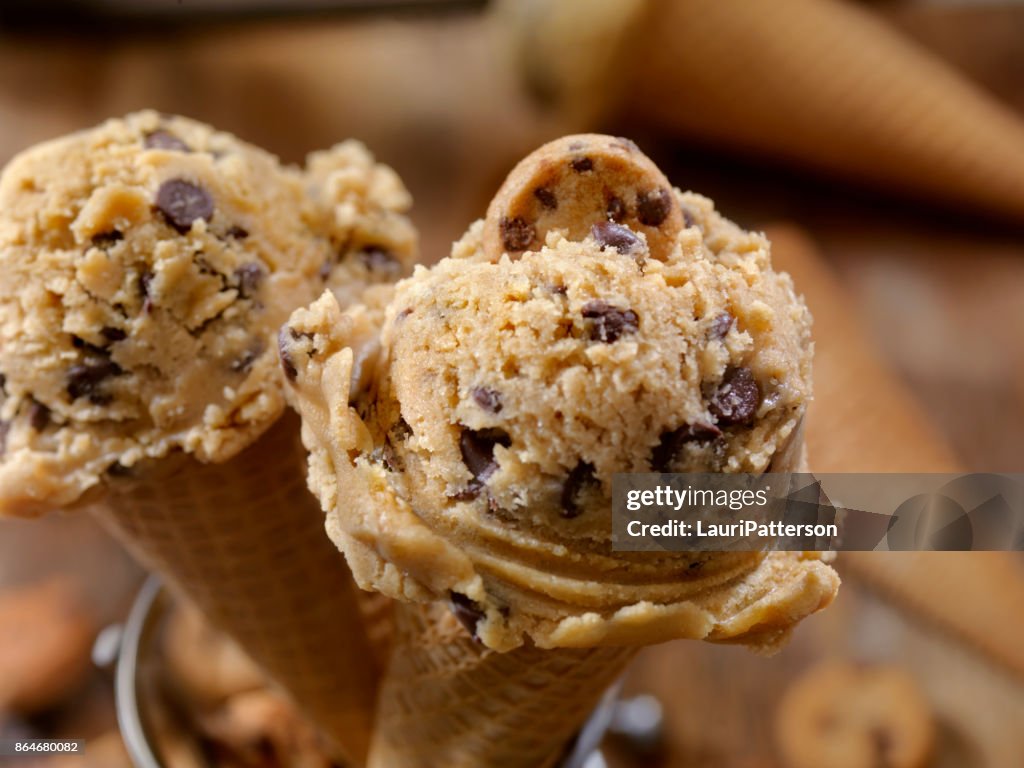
(464, 431)
(145, 267)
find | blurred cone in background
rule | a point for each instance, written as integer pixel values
(244, 540)
(822, 83)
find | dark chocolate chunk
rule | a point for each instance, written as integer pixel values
(468, 612)
(182, 202)
(582, 164)
(477, 447)
(107, 239)
(284, 339)
(546, 198)
(38, 415)
(85, 379)
(653, 207)
(162, 139)
(378, 259)
(609, 322)
(487, 398)
(737, 398)
(667, 449)
(720, 326)
(612, 235)
(249, 276)
(581, 478)
(468, 492)
(237, 232)
(688, 220)
(113, 334)
(516, 234)
(616, 209)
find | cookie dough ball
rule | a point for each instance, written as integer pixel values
(145, 267)
(844, 715)
(468, 453)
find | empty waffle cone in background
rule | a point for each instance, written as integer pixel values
(822, 83)
(829, 85)
(244, 541)
(450, 701)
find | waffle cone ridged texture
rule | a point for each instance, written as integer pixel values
(829, 85)
(449, 701)
(244, 541)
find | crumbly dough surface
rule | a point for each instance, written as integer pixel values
(464, 437)
(145, 267)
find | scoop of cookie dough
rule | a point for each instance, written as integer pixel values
(145, 266)
(463, 440)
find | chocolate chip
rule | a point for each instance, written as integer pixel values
(284, 338)
(616, 209)
(117, 469)
(688, 220)
(612, 235)
(720, 326)
(627, 144)
(5, 427)
(38, 415)
(546, 197)
(516, 234)
(379, 259)
(244, 363)
(667, 449)
(107, 239)
(468, 612)
(467, 492)
(609, 322)
(581, 478)
(92, 349)
(486, 398)
(182, 202)
(85, 379)
(477, 447)
(582, 164)
(249, 276)
(237, 232)
(737, 398)
(653, 207)
(576, 146)
(325, 270)
(113, 334)
(161, 139)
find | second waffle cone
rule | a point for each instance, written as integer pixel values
(244, 541)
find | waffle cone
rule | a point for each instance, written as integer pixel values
(448, 701)
(244, 541)
(827, 84)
